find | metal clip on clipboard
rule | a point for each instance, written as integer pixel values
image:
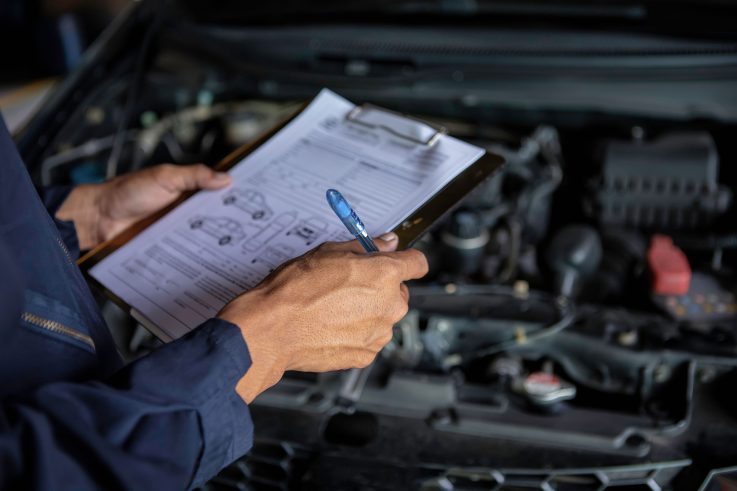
(398, 125)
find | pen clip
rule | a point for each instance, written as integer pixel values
(375, 117)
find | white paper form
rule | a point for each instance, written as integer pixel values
(184, 268)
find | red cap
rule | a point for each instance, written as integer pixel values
(669, 268)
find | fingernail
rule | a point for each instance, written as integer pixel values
(389, 237)
(221, 176)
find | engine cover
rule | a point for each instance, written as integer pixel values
(670, 183)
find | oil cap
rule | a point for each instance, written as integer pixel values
(545, 389)
(669, 269)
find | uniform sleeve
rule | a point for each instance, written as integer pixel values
(171, 420)
(53, 197)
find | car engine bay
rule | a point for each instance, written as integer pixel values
(577, 329)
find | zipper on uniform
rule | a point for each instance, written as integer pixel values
(58, 328)
(64, 248)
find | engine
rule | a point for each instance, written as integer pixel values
(579, 303)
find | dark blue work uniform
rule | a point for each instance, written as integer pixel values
(71, 417)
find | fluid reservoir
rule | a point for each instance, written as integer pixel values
(464, 243)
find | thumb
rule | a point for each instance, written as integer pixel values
(191, 177)
(387, 242)
(207, 178)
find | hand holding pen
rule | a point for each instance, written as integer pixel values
(351, 388)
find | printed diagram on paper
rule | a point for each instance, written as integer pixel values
(184, 268)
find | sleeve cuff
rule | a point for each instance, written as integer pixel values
(201, 371)
(226, 422)
(53, 197)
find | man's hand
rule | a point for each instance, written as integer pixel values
(331, 309)
(101, 211)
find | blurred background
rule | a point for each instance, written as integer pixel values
(41, 40)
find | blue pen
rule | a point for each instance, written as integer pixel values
(349, 218)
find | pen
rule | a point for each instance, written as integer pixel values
(349, 218)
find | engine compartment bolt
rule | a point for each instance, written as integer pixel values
(638, 133)
(95, 115)
(627, 338)
(707, 374)
(521, 289)
(661, 373)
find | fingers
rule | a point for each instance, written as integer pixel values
(362, 359)
(350, 246)
(205, 178)
(412, 264)
(399, 310)
(191, 177)
(404, 291)
(385, 243)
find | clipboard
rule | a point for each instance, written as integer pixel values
(369, 117)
